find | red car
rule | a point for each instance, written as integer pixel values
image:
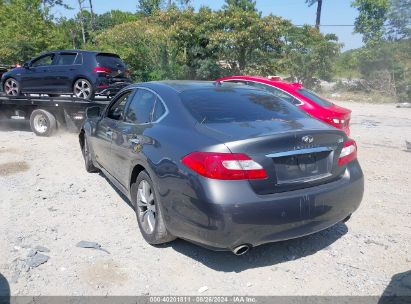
(295, 93)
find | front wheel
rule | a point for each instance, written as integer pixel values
(83, 89)
(148, 210)
(42, 123)
(12, 87)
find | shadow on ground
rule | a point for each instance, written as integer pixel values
(4, 290)
(261, 256)
(398, 290)
(265, 255)
(14, 125)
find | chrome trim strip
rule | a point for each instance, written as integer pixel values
(301, 151)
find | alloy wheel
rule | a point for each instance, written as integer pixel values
(40, 123)
(146, 207)
(11, 87)
(82, 89)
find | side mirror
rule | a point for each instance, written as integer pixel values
(93, 112)
(26, 65)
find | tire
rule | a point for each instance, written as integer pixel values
(82, 88)
(156, 233)
(88, 158)
(43, 123)
(12, 87)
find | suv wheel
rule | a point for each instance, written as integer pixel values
(83, 89)
(148, 211)
(12, 87)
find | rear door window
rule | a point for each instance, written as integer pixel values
(315, 98)
(79, 59)
(66, 59)
(159, 110)
(224, 105)
(116, 111)
(141, 107)
(110, 61)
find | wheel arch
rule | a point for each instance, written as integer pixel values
(135, 172)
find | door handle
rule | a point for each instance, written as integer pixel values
(134, 141)
(109, 133)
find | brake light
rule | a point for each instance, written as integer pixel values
(102, 70)
(225, 166)
(348, 152)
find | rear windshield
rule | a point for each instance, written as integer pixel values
(109, 61)
(222, 105)
(314, 97)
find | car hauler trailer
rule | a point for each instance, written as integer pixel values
(47, 114)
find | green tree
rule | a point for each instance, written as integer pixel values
(148, 7)
(371, 19)
(309, 55)
(26, 30)
(399, 20)
(245, 5)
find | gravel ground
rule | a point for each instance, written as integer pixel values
(47, 199)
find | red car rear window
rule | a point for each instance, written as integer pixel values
(314, 97)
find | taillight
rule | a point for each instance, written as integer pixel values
(127, 73)
(226, 166)
(102, 70)
(348, 152)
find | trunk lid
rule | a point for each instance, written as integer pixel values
(303, 154)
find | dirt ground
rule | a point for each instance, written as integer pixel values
(47, 199)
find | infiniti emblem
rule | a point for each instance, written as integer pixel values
(308, 139)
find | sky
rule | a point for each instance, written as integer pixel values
(334, 12)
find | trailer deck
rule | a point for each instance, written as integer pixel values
(46, 114)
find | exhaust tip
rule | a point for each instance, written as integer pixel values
(240, 250)
(347, 218)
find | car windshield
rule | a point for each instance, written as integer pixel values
(109, 61)
(315, 98)
(224, 105)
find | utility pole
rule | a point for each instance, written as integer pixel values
(318, 19)
(80, 4)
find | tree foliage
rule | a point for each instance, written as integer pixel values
(371, 19)
(399, 20)
(169, 39)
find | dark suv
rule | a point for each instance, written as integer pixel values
(83, 74)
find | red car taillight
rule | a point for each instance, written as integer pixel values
(226, 166)
(348, 152)
(102, 70)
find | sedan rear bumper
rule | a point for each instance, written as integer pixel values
(229, 213)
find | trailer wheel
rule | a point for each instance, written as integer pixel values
(42, 123)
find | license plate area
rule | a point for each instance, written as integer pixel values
(303, 167)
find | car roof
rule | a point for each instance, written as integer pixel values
(278, 83)
(180, 86)
(77, 51)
